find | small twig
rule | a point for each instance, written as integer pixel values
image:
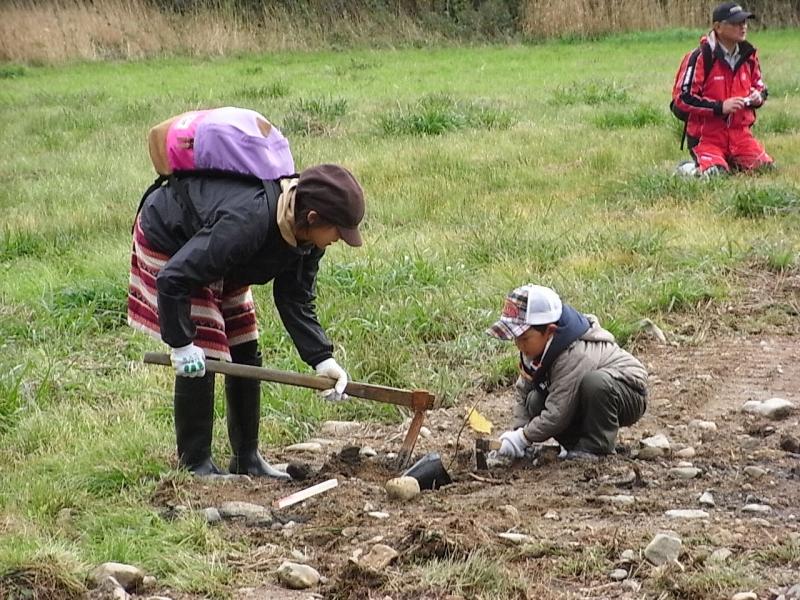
(491, 480)
(458, 436)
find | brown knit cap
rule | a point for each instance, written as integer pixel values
(335, 194)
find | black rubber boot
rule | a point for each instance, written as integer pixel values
(243, 403)
(194, 422)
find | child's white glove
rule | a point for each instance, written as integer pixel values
(330, 368)
(188, 361)
(514, 443)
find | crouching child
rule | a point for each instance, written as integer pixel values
(575, 385)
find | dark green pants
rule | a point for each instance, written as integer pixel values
(604, 405)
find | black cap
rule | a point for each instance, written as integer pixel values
(731, 13)
(335, 194)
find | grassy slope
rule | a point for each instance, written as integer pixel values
(571, 188)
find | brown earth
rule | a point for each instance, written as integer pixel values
(716, 358)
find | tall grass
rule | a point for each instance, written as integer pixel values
(39, 31)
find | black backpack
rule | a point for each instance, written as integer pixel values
(683, 80)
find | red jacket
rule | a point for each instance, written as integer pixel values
(701, 95)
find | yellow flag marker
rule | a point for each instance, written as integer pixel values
(478, 422)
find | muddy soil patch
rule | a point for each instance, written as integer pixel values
(578, 522)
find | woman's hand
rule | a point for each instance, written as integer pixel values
(188, 361)
(330, 368)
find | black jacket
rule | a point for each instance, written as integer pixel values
(231, 234)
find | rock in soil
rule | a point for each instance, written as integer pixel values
(790, 444)
(628, 556)
(211, 515)
(243, 510)
(618, 574)
(690, 513)
(757, 508)
(128, 576)
(706, 499)
(774, 408)
(703, 425)
(378, 558)
(720, 555)
(402, 488)
(754, 472)
(515, 538)
(656, 441)
(297, 576)
(350, 455)
(298, 471)
(684, 472)
(109, 589)
(314, 447)
(663, 549)
(340, 428)
(620, 499)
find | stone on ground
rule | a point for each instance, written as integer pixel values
(109, 589)
(515, 538)
(244, 510)
(706, 499)
(653, 447)
(684, 472)
(720, 555)
(757, 508)
(754, 472)
(774, 408)
(702, 425)
(339, 428)
(403, 488)
(297, 576)
(378, 558)
(128, 576)
(618, 574)
(663, 548)
(686, 513)
(313, 447)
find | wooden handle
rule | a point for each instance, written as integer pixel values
(416, 399)
(486, 444)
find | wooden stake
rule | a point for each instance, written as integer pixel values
(305, 494)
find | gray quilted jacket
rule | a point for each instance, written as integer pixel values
(595, 350)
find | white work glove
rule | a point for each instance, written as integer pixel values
(514, 443)
(330, 368)
(188, 361)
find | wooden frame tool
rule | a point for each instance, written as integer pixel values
(417, 400)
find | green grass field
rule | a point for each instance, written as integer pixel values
(484, 168)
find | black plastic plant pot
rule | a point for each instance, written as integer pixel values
(429, 472)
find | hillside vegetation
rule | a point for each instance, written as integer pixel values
(52, 31)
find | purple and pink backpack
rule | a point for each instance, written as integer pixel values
(229, 139)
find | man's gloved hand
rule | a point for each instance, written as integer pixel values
(755, 98)
(514, 443)
(330, 368)
(188, 361)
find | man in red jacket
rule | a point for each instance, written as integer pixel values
(720, 92)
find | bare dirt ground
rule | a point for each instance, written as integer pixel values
(447, 540)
